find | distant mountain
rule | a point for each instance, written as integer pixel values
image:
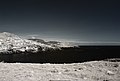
(12, 43)
(54, 43)
(38, 40)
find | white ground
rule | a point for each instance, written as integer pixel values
(88, 71)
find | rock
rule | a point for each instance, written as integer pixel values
(116, 65)
(80, 68)
(110, 73)
(54, 71)
(75, 70)
(105, 80)
(66, 70)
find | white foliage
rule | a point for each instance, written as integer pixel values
(12, 42)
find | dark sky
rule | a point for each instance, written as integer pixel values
(79, 20)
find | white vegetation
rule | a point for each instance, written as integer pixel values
(12, 42)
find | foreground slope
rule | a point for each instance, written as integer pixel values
(88, 71)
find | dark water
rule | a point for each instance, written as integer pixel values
(66, 55)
